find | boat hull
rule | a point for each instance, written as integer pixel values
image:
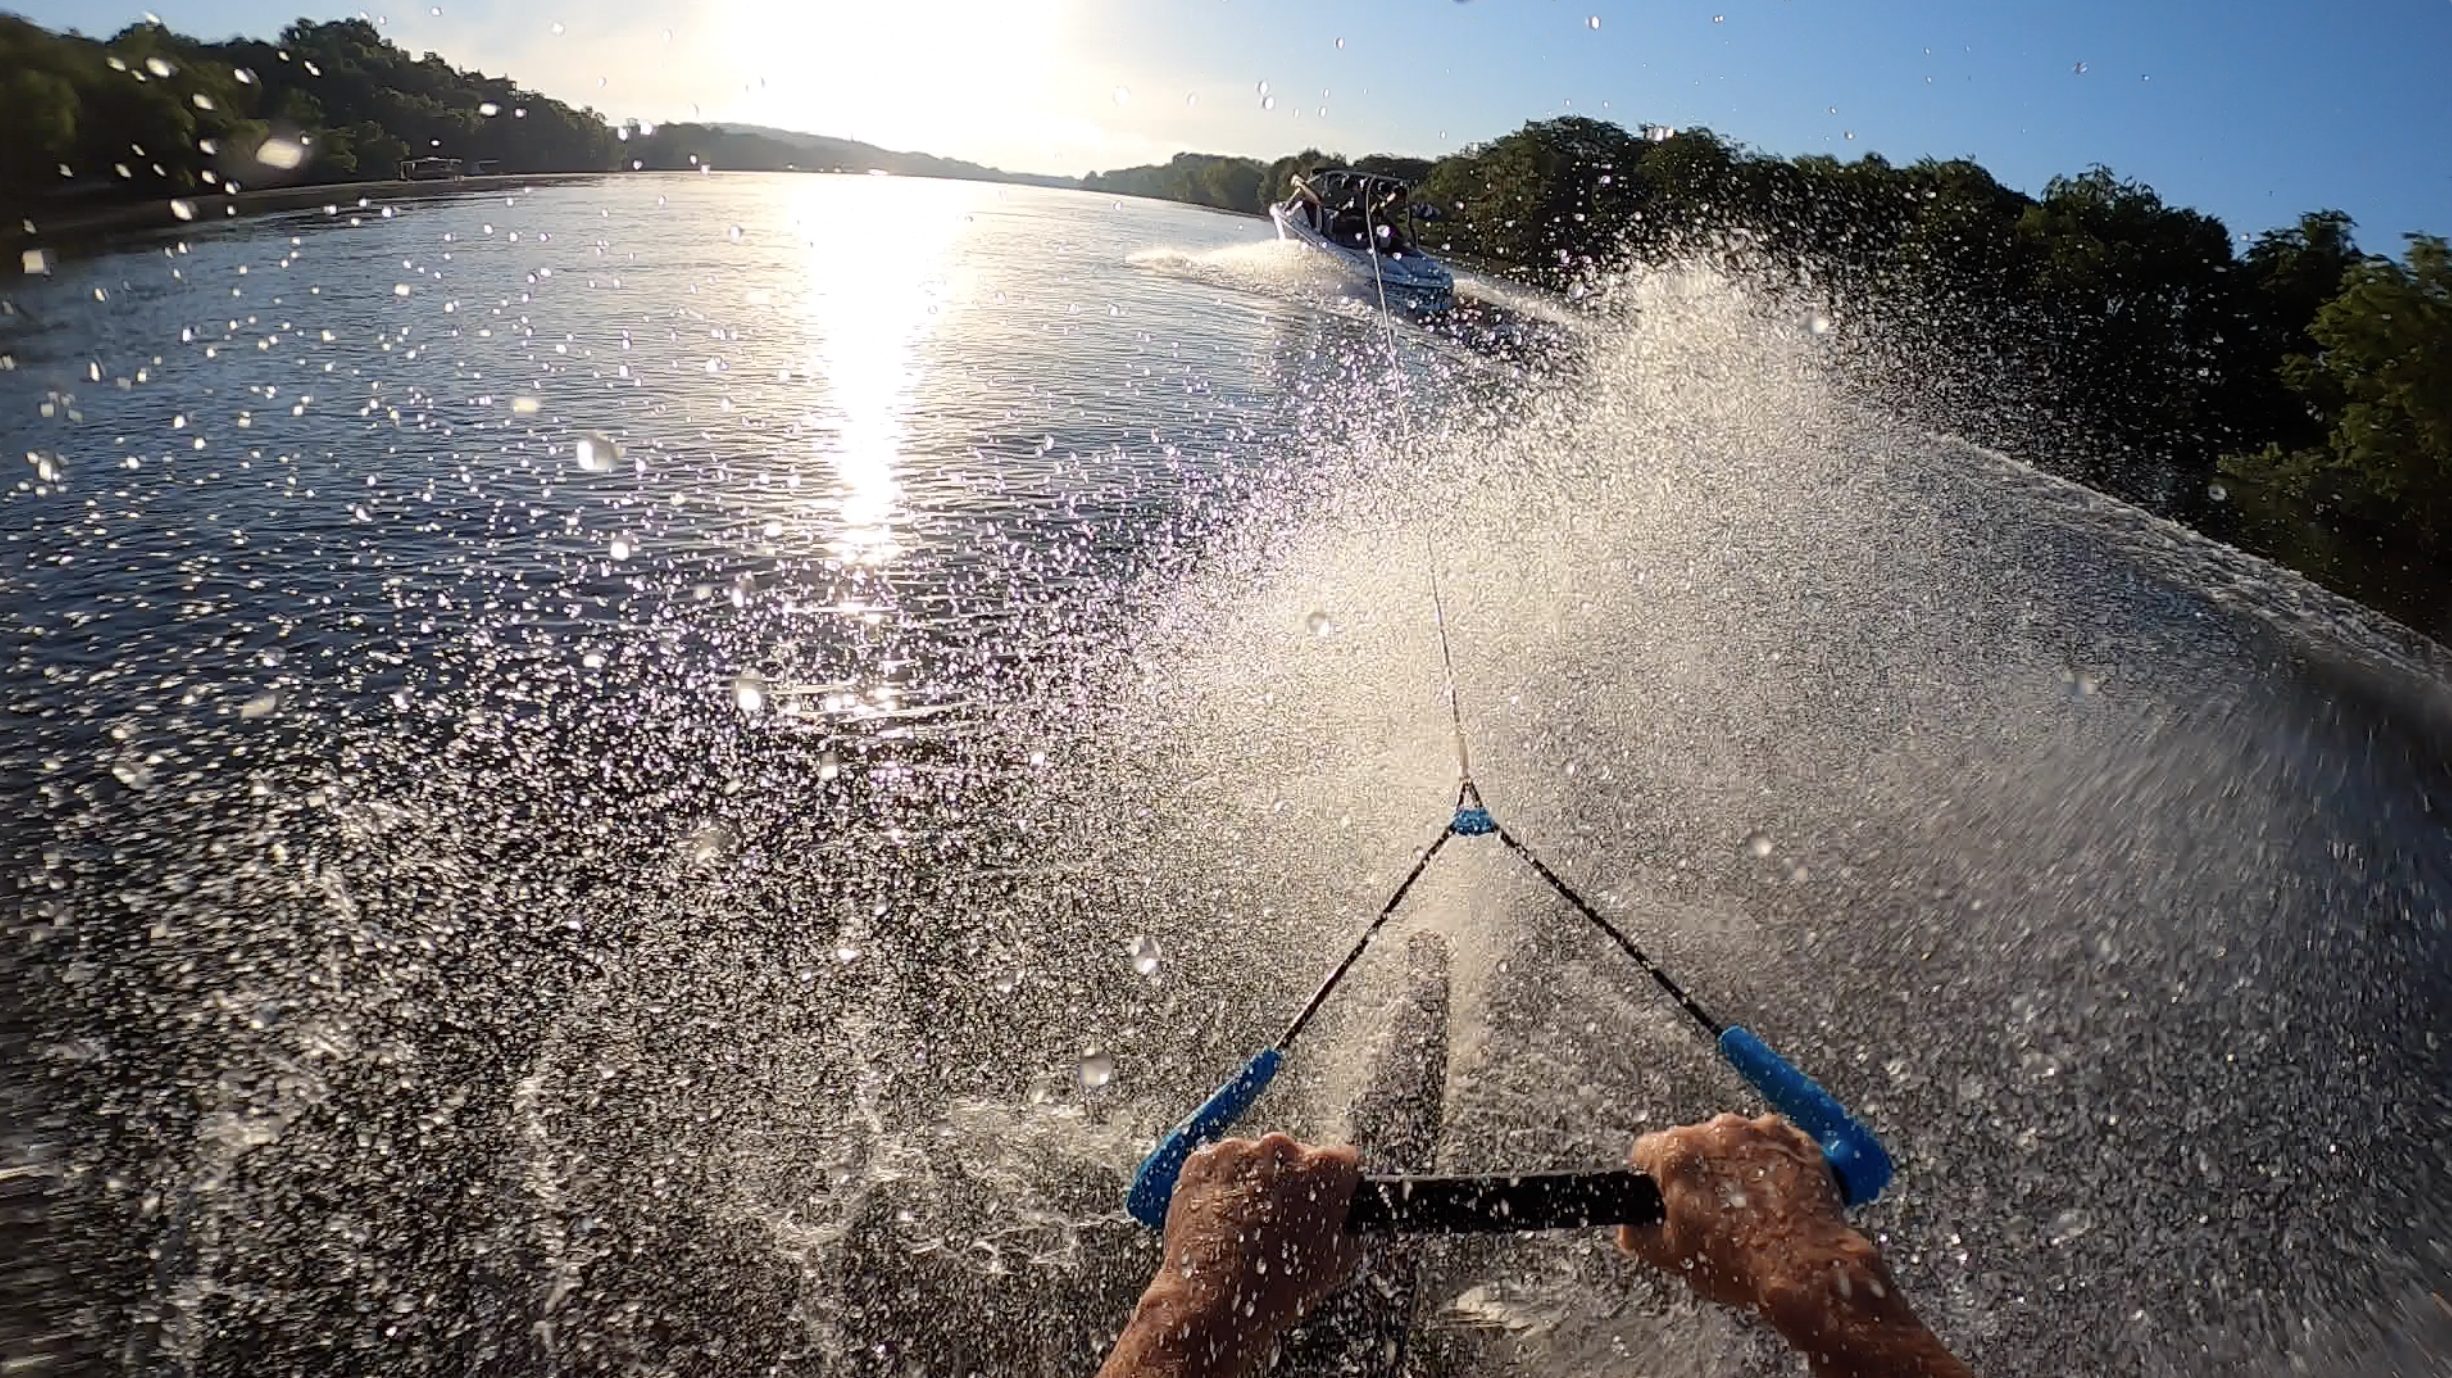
(1413, 281)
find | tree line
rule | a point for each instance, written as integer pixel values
(2292, 386)
(151, 112)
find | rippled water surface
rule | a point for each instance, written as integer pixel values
(676, 775)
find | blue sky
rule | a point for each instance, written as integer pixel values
(2253, 110)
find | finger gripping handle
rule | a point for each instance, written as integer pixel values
(1856, 1155)
(1153, 1187)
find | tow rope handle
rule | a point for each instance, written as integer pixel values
(1533, 1200)
(1503, 1204)
(1153, 1186)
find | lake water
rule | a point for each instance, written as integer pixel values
(679, 774)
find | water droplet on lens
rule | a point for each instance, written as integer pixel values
(281, 155)
(707, 844)
(1594, 22)
(182, 208)
(1319, 623)
(596, 452)
(1146, 957)
(622, 548)
(1097, 1069)
(1758, 843)
(2217, 492)
(749, 694)
(262, 705)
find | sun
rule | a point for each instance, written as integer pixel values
(935, 77)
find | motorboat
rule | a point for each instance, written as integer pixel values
(1365, 223)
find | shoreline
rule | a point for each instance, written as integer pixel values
(93, 226)
(82, 226)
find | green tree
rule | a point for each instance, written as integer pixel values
(2382, 375)
(1553, 201)
(2291, 275)
(2137, 296)
(39, 109)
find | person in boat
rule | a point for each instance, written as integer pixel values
(1307, 205)
(1346, 226)
(1389, 220)
(1256, 1238)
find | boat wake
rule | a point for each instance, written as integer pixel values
(1490, 317)
(1270, 267)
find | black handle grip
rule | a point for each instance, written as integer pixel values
(1503, 1204)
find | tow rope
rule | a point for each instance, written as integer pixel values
(1857, 1159)
(1519, 1201)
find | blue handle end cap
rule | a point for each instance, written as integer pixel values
(1473, 820)
(1854, 1151)
(1861, 1164)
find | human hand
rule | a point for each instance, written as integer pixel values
(1752, 1219)
(1257, 1228)
(1255, 1237)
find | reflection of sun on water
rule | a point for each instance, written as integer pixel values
(877, 283)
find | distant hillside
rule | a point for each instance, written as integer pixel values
(763, 148)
